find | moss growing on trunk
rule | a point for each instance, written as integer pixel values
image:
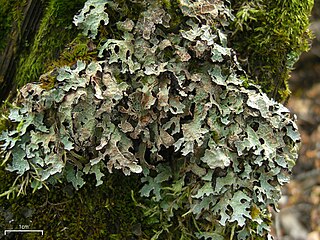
(269, 36)
(91, 213)
(54, 33)
(11, 12)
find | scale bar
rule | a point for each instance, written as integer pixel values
(23, 231)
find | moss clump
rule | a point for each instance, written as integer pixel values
(105, 212)
(269, 36)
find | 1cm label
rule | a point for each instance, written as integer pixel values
(23, 227)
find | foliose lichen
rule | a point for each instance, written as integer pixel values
(168, 103)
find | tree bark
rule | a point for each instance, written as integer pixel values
(20, 33)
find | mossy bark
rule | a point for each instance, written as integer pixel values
(17, 26)
(269, 37)
(268, 40)
(36, 33)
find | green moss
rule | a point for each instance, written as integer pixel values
(269, 36)
(6, 18)
(55, 31)
(11, 12)
(105, 212)
(81, 48)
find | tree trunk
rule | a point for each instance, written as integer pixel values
(170, 199)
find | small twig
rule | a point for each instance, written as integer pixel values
(57, 204)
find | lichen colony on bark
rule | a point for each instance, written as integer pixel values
(164, 98)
